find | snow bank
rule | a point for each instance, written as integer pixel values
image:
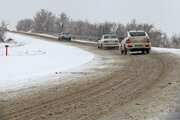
(167, 50)
(29, 57)
(84, 41)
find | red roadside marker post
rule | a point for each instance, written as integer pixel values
(6, 49)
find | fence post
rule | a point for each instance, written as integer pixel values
(6, 49)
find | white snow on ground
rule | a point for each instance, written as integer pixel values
(29, 57)
(85, 41)
(167, 50)
(46, 35)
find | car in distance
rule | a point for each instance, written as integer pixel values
(136, 40)
(108, 41)
(64, 36)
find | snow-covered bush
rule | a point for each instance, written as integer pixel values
(25, 25)
(3, 29)
(175, 41)
(44, 21)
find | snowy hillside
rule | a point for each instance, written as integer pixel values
(33, 58)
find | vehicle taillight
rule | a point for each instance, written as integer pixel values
(128, 41)
(116, 41)
(105, 41)
(148, 40)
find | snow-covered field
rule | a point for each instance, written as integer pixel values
(30, 58)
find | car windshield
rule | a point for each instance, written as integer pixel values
(109, 36)
(63, 33)
(134, 34)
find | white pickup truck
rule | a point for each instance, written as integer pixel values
(136, 41)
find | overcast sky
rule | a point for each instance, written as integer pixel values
(164, 14)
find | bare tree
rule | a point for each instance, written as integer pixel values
(132, 26)
(25, 25)
(62, 23)
(121, 31)
(3, 29)
(104, 28)
(175, 41)
(44, 21)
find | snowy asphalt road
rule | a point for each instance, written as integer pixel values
(112, 86)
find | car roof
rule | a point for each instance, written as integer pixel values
(108, 34)
(136, 31)
(65, 32)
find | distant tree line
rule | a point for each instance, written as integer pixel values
(45, 21)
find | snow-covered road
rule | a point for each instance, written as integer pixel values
(30, 58)
(111, 86)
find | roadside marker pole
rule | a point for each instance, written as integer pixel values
(6, 49)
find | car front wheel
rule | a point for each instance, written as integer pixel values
(147, 51)
(122, 51)
(98, 46)
(116, 48)
(126, 51)
(142, 51)
(101, 46)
